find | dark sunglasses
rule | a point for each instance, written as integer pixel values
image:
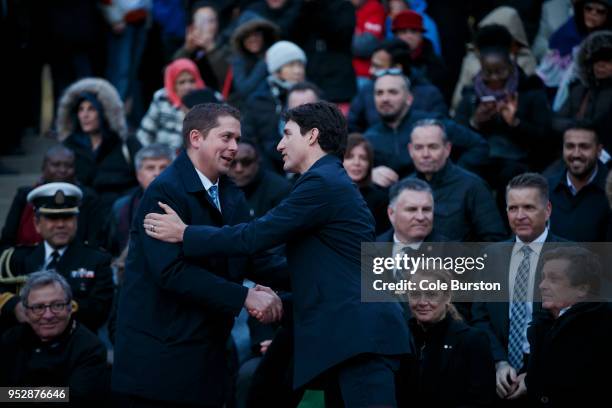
(245, 162)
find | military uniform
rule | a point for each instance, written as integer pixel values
(87, 270)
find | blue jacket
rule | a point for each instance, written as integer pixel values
(323, 221)
(175, 311)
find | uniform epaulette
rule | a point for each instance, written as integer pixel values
(6, 274)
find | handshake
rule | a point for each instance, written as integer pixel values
(264, 304)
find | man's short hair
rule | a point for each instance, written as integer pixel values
(153, 151)
(395, 72)
(530, 180)
(57, 150)
(584, 266)
(204, 117)
(430, 122)
(410, 184)
(327, 118)
(306, 86)
(44, 278)
(581, 124)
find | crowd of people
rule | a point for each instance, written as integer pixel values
(195, 232)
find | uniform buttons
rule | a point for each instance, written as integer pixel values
(544, 400)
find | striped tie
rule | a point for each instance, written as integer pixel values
(518, 311)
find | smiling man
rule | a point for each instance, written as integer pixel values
(578, 190)
(516, 264)
(86, 269)
(323, 221)
(176, 311)
(52, 348)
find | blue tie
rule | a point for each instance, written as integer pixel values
(518, 311)
(214, 194)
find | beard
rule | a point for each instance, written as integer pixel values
(585, 171)
(390, 117)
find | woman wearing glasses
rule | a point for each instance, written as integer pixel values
(454, 365)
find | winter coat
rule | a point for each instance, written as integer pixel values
(109, 170)
(248, 70)
(589, 98)
(531, 141)
(369, 31)
(506, 17)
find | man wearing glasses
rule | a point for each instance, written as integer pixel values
(51, 348)
(262, 188)
(86, 270)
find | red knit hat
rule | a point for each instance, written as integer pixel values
(407, 20)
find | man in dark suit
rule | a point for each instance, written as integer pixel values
(176, 310)
(516, 266)
(323, 221)
(87, 270)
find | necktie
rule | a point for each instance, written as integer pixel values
(213, 191)
(55, 257)
(518, 311)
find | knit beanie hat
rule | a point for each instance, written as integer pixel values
(281, 53)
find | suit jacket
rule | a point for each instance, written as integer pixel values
(87, 271)
(323, 221)
(493, 316)
(176, 311)
(569, 355)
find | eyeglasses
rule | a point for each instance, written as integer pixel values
(39, 309)
(389, 71)
(244, 162)
(602, 11)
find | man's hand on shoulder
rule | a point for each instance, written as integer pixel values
(166, 227)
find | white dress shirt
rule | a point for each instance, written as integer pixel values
(208, 184)
(49, 250)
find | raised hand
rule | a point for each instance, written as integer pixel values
(166, 227)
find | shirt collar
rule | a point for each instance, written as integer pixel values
(206, 181)
(537, 248)
(49, 250)
(570, 185)
(399, 244)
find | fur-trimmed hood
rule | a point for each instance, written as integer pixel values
(593, 44)
(105, 93)
(251, 23)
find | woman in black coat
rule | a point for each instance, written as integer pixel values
(358, 163)
(91, 122)
(454, 366)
